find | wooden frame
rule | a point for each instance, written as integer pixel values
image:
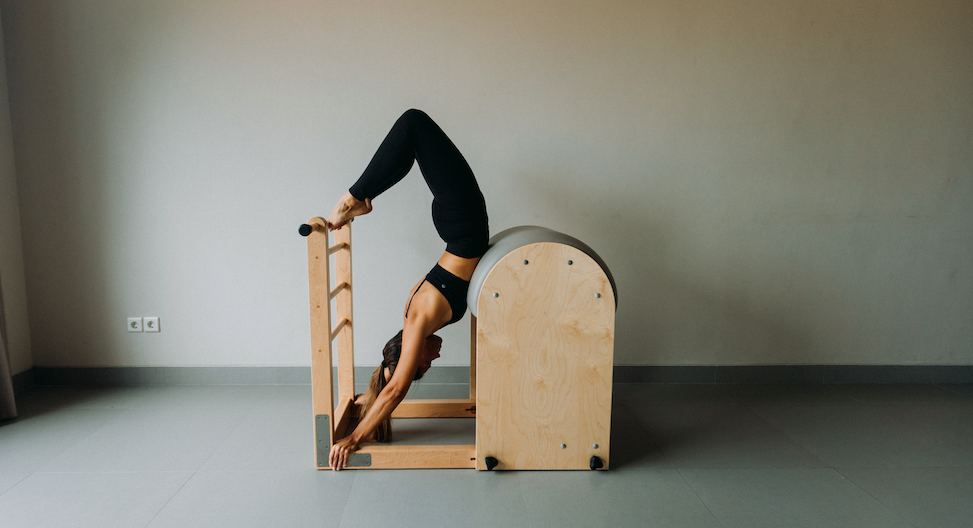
(330, 420)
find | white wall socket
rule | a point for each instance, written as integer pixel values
(151, 324)
(135, 324)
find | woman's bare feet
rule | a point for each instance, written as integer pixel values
(348, 207)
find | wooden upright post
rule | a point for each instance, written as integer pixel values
(346, 341)
(322, 388)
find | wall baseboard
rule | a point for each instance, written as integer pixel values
(766, 374)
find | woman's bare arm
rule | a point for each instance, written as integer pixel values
(428, 313)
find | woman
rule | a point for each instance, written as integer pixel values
(459, 214)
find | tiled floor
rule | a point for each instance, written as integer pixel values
(681, 455)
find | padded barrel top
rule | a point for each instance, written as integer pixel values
(506, 241)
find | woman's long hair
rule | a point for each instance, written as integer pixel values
(377, 383)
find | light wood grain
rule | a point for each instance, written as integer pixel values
(419, 457)
(319, 286)
(343, 415)
(346, 339)
(544, 350)
(460, 408)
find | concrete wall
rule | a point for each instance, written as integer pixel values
(771, 182)
(13, 286)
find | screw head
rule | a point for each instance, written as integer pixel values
(570, 262)
(564, 446)
(595, 446)
(496, 295)
(598, 296)
(525, 263)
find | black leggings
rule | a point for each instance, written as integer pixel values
(458, 208)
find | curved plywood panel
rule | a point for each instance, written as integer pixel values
(506, 241)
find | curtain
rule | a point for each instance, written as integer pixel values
(8, 409)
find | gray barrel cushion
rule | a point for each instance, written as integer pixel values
(506, 241)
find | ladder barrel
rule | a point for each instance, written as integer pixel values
(544, 304)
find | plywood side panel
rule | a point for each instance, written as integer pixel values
(545, 342)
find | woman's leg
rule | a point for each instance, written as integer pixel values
(458, 211)
(416, 137)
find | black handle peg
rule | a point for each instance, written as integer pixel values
(491, 463)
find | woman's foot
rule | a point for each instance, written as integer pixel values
(348, 207)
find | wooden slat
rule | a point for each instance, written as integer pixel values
(419, 457)
(544, 360)
(337, 332)
(346, 339)
(334, 293)
(322, 390)
(435, 409)
(339, 246)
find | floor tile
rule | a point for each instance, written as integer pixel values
(98, 500)
(270, 438)
(869, 435)
(963, 389)
(950, 426)
(434, 431)
(169, 439)
(794, 394)
(636, 395)
(732, 436)
(31, 441)
(926, 497)
(258, 499)
(9, 479)
(423, 498)
(206, 396)
(893, 393)
(438, 391)
(287, 395)
(772, 498)
(630, 446)
(43, 399)
(624, 497)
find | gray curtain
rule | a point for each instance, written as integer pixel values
(8, 409)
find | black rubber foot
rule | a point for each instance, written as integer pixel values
(491, 463)
(305, 230)
(595, 463)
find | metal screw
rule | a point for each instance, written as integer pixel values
(564, 446)
(598, 296)
(496, 295)
(525, 263)
(595, 446)
(570, 262)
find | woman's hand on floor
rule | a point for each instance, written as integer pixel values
(340, 451)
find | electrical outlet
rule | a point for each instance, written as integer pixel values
(134, 324)
(151, 324)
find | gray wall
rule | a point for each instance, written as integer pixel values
(11, 249)
(771, 182)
